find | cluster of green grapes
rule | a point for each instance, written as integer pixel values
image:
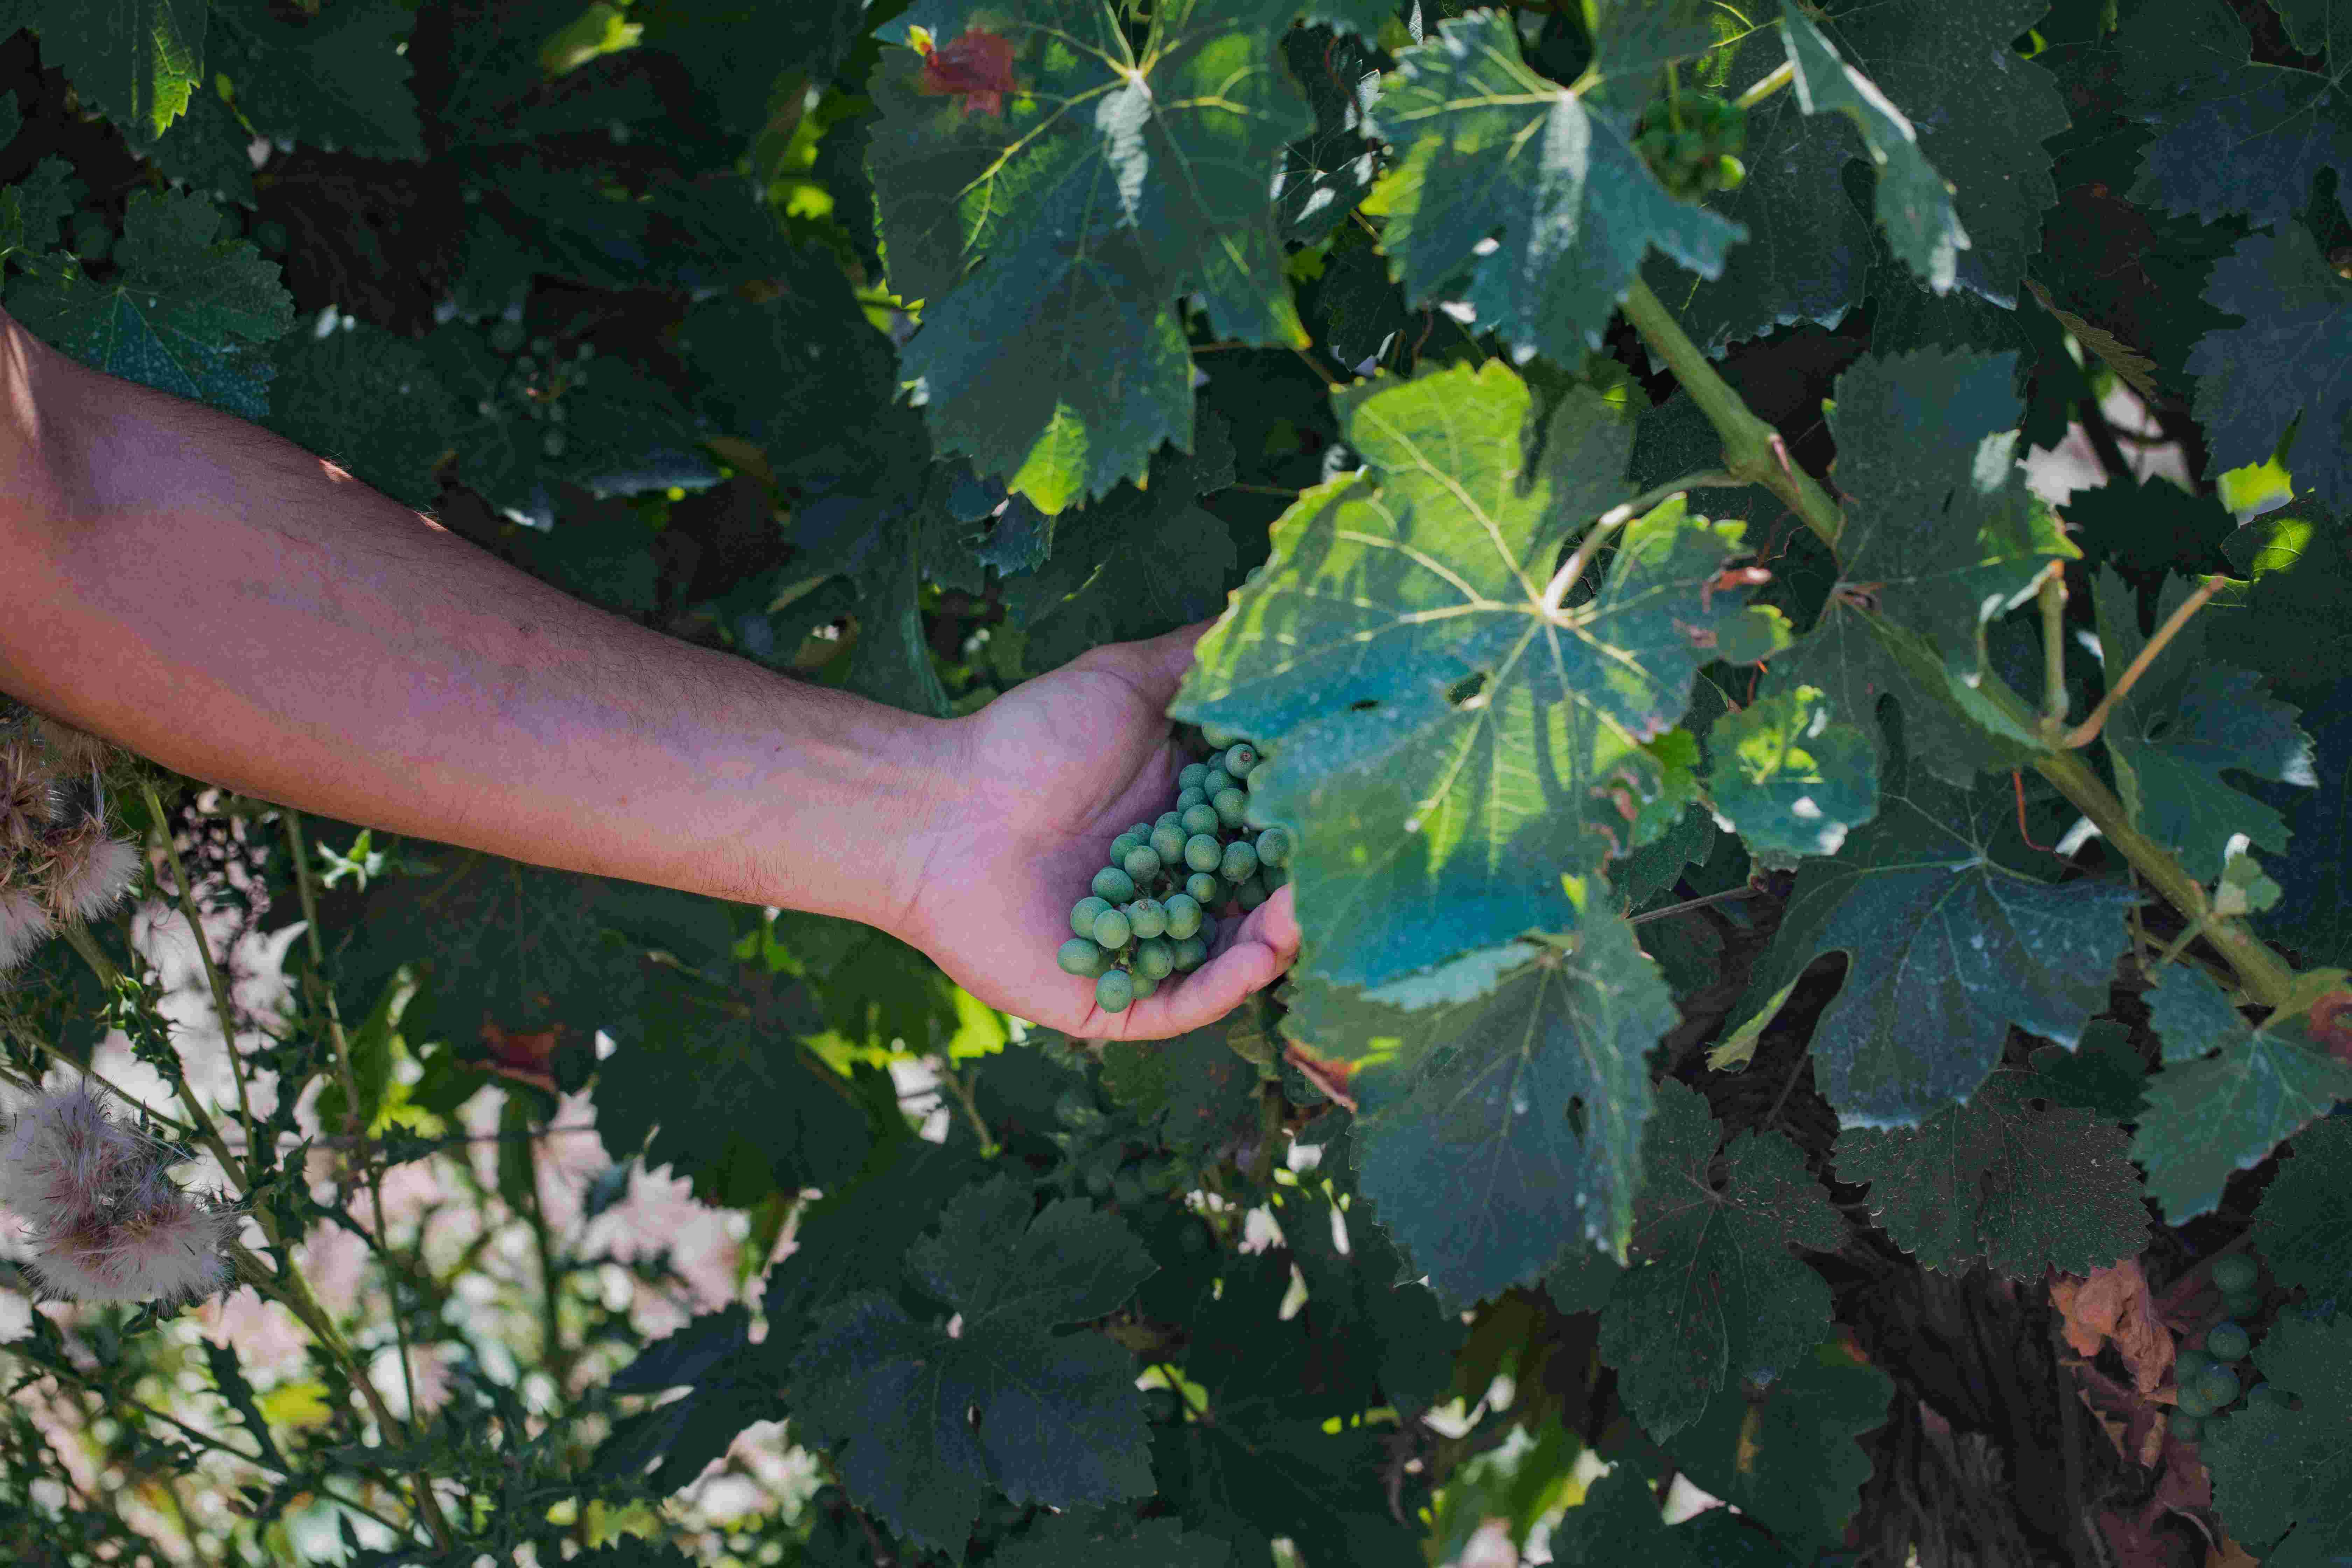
(2206, 1376)
(1692, 142)
(1152, 911)
(535, 383)
(1110, 1155)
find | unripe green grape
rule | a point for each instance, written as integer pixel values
(1204, 890)
(2191, 1365)
(551, 444)
(1239, 759)
(1232, 807)
(1730, 174)
(1215, 782)
(1187, 799)
(2227, 1341)
(1191, 954)
(1112, 930)
(1155, 959)
(2187, 1428)
(1142, 984)
(2236, 1272)
(1098, 1177)
(1202, 818)
(1274, 846)
(1168, 841)
(1142, 863)
(1140, 832)
(1207, 935)
(506, 337)
(2268, 1395)
(1218, 736)
(1239, 862)
(1190, 774)
(1147, 918)
(1252, 893)
(1166, 819)
(1128, 1188)
(1183, 915)
(1114, 885)
(1202, 852)
(2218, 1386)
(1113, 991)
(2242, 1303)
(2192, 1396)
(1082, 956)
(1083, 914)
(1122, 843)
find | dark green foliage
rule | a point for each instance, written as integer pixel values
(2303, 1227)
(2279, 1475)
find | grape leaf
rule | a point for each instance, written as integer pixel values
(137, 61)
(2283, 1479)
(1050, 239)
(1981, 113)
(2312, 914)
(1787, 779)
(2298, 312)
(2172, 735)
(737, 49)
(1193, 1090)
(1327, 172)
(927, 1422)
(1401, 1339)
(2303, 1227)
(2007, 1179)
(337, 79)
(31, 209)
(185, 312)
(2211, 1115)
(1485, 149)
(1789, 1460)
(1458, 745)
(1497, 1129)
(206, 151)
(1074, 1540)
(1619, 1522)
(704, 1051)
(2142, 529)
(2232, 137)
(368, 401)
(1713, 1297)
(1133, 564)
(1914, 202)
(1950, 940)
(2102, 1074)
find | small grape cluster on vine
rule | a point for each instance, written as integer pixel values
(1152, 911)
(2207, 1377)
(1692, 142)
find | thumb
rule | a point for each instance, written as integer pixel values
(1162, 663)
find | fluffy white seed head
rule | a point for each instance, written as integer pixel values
(107, 1222)
(89, 873)
(28, 796)
(24, 924)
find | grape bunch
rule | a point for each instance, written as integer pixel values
(1692, 142)
(1153, 909)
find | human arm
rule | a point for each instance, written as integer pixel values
(214, 597)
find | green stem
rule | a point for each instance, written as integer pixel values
(1782, 76)
(2052, 595)
(211, 971)
(1753, 452)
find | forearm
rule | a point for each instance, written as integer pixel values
(214, 598)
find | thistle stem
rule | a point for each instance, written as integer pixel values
(212, 972)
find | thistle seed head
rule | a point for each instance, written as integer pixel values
(88, 873)
(24, 926)
(28, 796)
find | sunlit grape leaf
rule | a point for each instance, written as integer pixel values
(2303, 1227)
(926, 1422)
(1951, 939)
(1714, 1297)
(137, 61)
(1788, 779)
(185, 312)
(1051, 232)
(2188, 720)
(2211, 1115)
(1914, 202)
(2283, 1479)
(368, 401)
(2250, 386)
(1981, 112)
(2232, 137)
(1498, 1128)
(1485, 149)
(2008, 1180)
(31, 209)
(1789, 1460)
(1133, 564)
(1452, 744)
(705, 1051)
(337, 79)
(1079, 1540)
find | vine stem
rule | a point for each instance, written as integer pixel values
(1766, 85)
(2082, 734)
(2052, 595)
(1753, 451)
(1572, 569)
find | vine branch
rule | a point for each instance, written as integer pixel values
(2082, 734)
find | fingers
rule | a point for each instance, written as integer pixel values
(1162, 663)
(1254, 956)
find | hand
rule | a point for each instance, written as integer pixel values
(1045, 778)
